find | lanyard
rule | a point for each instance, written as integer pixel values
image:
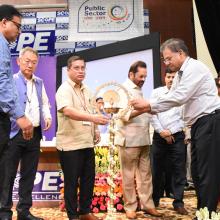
(32, 88)
(81, 98)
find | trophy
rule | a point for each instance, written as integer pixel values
(113, 95)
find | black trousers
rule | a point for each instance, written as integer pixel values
(5, 127)
(176, 154)
(205, 162)
(27, 153)
(79, 170)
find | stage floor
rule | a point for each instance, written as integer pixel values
(165, 208)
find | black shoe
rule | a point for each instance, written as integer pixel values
(156, 203)
(170, 195)
(181, 210)
(28, 217)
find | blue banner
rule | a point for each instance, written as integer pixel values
(42, 41)
(47, 32)
(46, 186)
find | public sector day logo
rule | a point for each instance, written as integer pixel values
(111, 16)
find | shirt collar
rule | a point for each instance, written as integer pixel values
(184, 65)
(23, 77)
(74, 85)
(131, 84)
(166, 90)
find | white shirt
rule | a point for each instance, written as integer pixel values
(133, 132)
(195, 88)
(32, 110)
(168, 120)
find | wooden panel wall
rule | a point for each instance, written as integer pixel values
(172, 18)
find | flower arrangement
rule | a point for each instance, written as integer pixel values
(61, 197)
(203, 214)
(102, 160)
(101, 194)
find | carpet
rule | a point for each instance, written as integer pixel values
(165, 207)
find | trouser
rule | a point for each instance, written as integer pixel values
(27, 153)
(167, 179)
(136, 177)
(79, 170)
(5, 127)
(176, 154)
(205, 165)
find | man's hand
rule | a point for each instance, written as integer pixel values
(141, 105)
(165, 133)
(47, 123)
(97, 138)
(26, 127)
(100, 119)
(170, 139)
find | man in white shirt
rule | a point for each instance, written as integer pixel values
(133, 140)
(34, 102)
(168, 146)
(194, 87)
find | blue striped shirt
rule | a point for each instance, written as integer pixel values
(8, 92)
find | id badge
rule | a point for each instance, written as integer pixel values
(86, 123)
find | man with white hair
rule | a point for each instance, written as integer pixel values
(34, 102)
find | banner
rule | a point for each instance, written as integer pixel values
(98, 20)
(46, 186)
(47, 32)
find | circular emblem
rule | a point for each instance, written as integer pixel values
(118, 12)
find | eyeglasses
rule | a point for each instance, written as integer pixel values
(169, 59)
(18, 25)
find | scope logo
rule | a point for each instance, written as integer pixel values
(42, 41)
(62, 13)
(85, 44)
(46, 20)
(46, 186)
(28, 14)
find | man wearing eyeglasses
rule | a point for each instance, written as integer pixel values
(10, 22)
(194, 88)
(76, 136)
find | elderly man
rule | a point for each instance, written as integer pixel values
(34, 102)
(194, 87)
